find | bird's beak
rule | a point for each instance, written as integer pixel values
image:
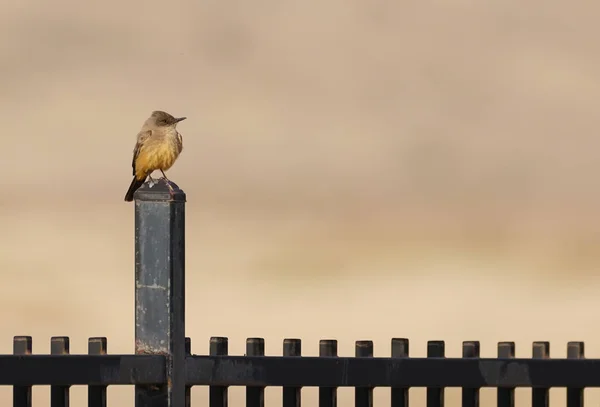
(177, 120)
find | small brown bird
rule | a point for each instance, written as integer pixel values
(158, 146)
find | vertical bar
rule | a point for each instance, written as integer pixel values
(435, 395)
(188, 389)
(160, 289)
(255, 396)
(363, 396)
(218, 394)
(506, 395)
(540, 396)
(291, 395)
(575, 350)
(97, 394)
(470, 397)
(59, 395)
(399, 394)
(22, 394)
(328, 395)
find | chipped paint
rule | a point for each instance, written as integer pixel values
(143, 348)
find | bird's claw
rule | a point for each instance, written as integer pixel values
(151, 182)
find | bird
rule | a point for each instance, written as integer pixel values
(157, 148)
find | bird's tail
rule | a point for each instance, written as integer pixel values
(135, 184)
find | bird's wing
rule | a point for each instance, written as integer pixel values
(141, 138)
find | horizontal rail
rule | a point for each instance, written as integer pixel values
(81, 369)
(297, 371)
(390, 372)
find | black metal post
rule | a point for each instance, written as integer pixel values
(292, 395)
(540, 396)
(506, 395)
(160, 289)
(22, 394)
(435, 395)
(328, 395)
(217, 395)
(400, 349)
(470, 396)
(255, 395)
(363, 396)
(59, 395)
(97, 394)
(575, 350)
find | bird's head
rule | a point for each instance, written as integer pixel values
(164, 119)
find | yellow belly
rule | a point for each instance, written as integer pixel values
(155, 157)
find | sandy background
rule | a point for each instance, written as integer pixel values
(354, 169)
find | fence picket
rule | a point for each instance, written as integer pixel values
(540, 396)
(22, 394)
(575, 350)
(506, 395)
(255, 395)
(218, 394)
(291, 395)
(59, 395)
(399, 394)
(328, 395)
(435, 395)
(470, 396)
(97, 394)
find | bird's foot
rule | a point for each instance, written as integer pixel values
(151, 182)
(167, 181)
(164, 176)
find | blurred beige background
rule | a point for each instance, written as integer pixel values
(361, 169)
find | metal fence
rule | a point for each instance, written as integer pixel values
(163, 370)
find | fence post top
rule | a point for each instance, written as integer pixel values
(160, 191)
